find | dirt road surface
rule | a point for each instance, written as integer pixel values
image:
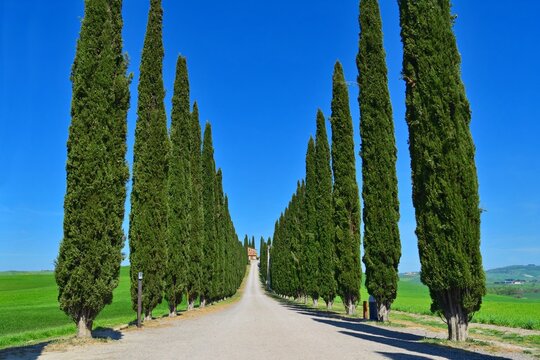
(261, 327)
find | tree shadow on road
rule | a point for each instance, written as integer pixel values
(401, 340)
(23, 352)
(31, 352)
(400, 356)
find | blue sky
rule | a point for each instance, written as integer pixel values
(259, 71)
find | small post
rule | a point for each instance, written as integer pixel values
(366, 310)
(139, 300)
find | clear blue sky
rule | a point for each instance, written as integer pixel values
(259, 71)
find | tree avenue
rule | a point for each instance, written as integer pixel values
(382, 247)
(445, 183)
(316, 242)
(96, 168)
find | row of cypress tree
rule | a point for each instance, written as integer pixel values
(181, 235)
(316, 242)
(445, 182)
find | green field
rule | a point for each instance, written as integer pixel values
(496, 309)
(29, 308)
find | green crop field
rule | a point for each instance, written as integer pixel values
(29, 308)
(496, 309)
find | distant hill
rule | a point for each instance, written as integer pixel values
(529, 273)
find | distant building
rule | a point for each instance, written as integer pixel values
(252, 254)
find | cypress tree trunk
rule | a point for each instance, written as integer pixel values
(323, 207)
(88, 263)
(148, 217)
(179, 191)
(445, 183)
(382, 247)
(345, 195)
(84, 327)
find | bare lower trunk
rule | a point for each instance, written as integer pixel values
(382, 312)
(172, 311)
(148, 316)
(84, 327)
(350, 308)
(329, 305)
(315, 303)
(203, 303)
(191, 304)
(305, 299)
(457, 327)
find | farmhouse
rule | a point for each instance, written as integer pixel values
(252, 254)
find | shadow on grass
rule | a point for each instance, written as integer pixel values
(401, 340)
(30, 352)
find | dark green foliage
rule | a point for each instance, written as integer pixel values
(210, 250)
(263, 259)
(96, 168)
(180, 189)
(196, 241)
(221, 238)
(323, 211)
(345, 195)
(148, 217)
(382, 247)
(312, 246)
(445, 184)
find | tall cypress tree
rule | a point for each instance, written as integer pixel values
(220, 237)
(445, 183)
(323, 211)
(180, 190)
(196, 241)
(88, 263)
(312, 247)
(209, 203)
(345, 195)
(382, 247)
(148, 217)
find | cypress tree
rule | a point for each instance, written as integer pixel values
(148, 217)
(445, 183)
(312, 247)
(382, 247)
(220, 237)
(88, 263)
(324, 210)
(196, 241)
(209, 204)
(180, 190)
(262, 259)
(345, 195)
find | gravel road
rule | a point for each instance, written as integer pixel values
(260, 327)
